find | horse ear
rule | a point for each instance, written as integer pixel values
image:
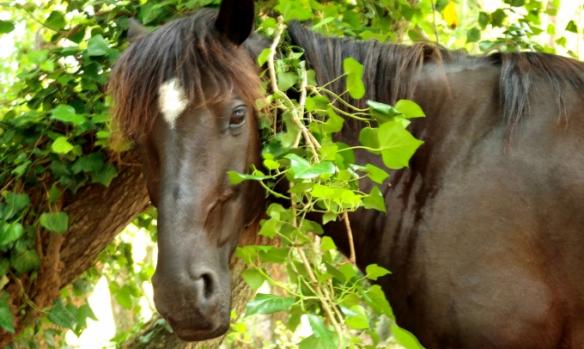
(235, 20)
(136, 30)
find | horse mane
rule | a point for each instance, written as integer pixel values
(207, 65)
(392, 71)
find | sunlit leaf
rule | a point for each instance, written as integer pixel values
(268, 304)
(354, 72)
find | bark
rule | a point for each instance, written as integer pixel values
(96, 215)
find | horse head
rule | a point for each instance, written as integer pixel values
(186, 94)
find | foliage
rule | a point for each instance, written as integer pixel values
(56, 138)
(342, 308)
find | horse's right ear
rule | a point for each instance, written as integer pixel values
(235, 20)
(135, 30)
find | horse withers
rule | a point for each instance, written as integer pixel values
(485, 231)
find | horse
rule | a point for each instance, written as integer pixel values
(486, 226)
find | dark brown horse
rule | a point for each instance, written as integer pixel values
(486, 228)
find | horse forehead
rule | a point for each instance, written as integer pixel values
(172, 100)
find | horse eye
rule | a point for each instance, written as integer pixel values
(237, 117)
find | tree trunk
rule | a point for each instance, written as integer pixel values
(96, 215)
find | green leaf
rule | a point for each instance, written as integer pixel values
(368, 137)
(268, 304)
(374, 200)
(334, 122)
(6, 27)
(397, 145)
(354, 72)
(357, 318)
(253, 278)
(269, 228)
(62, 316)
(235, 177)
(89, 163)
(66, 113)
(299, 10)
(409, 109)
(286, 80)
(104, 175)
(376, 174)
(6, 317)
(374, 272)
(61, 145)
(10, 232)
(16, 202)
(56, 21)
(322, 337)
(375, 298)
(24, 261)
(302, 169)
(405, 338)
(382, 108)
(97, 46)
(327, 244)
(572, 27)
(473, 35)
(55, 222)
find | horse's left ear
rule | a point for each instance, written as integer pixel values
(136, 30)
(235, 20)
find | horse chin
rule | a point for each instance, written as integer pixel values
(189, 334)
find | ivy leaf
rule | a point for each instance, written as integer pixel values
(253, 278)
(409, 109)
(235, 177)
(405, 338)
(62, 316)
(368, 137)
(473, 35)
(55, 21)
(268, 304)
(89, 163)
(105, 175)
(334, 122)
(97, 46)
(374, 200)
(55, 222)
(16, 202)
(572, 27)
(397, 145)
(299, 10)
(356, 317)
(6, 27)
(376, 299)
(6, 317)
(302, 169)
(10, 232)
(382, 108)
(374, 272)
(376, 174)
(286, 80)
(66, 113)
(327, 337)
(24, 261)
(327, 244)
(354, 72)
(61, 145)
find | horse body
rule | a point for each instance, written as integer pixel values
(484, 229)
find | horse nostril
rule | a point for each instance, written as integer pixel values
(206, 284)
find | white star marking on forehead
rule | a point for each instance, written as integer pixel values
(172, 101)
